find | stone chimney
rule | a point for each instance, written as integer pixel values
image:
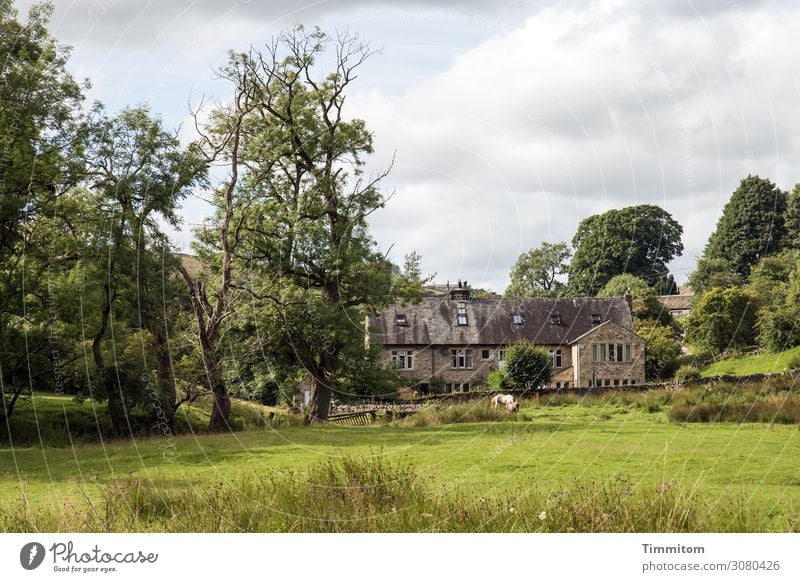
(461, 292)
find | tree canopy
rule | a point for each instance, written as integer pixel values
(751, 226)
(722, 320)
(536, 273)
(639, 240)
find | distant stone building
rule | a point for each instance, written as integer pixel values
(456, 341)
(677, 305)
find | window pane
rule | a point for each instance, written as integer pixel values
(602, 352)
(594, 352)
(469, 359)
(619, 352)
(627, 352)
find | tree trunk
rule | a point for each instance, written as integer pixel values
(116, 408)
(164, 414)
(323, 382)
(8, 408)
(221, 406)
(320, 404)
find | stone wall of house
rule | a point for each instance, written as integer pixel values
(617, 373)
(435, 362)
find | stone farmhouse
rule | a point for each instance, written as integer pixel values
(455, 341)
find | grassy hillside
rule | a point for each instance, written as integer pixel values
(755, 364)
(58, 420)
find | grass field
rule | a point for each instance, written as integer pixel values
(754, 364)
(673, 477)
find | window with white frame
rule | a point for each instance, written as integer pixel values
(611, 353)
(556, 356)
(461, 314)
(461, 359)
(501, 359)
(400, 319)
(518, 320)
(403, 359)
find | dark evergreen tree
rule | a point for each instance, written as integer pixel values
(751, 226)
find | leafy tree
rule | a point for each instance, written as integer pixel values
(644, 301)
(721, 320)
(779, 327)
(639, 240)
(713, 273)
(39, 121)
(792, 219)
(666, 286)
(299, 217)
(771, 285)
(536, 273)
(137, 173)
(410, 282)
(527, 366)
(663, 349)
(751, 226)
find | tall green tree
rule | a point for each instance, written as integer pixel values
(536, 273)
(137, 174)
(751, 226)
(639, 240)
(713, 273)
(39, 124)
(792, 219)
(771, 284)
(291, 231)
(722, 320)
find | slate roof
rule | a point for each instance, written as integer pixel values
(676, 302)
(491, 321)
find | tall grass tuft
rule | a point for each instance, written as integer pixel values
(477, 411)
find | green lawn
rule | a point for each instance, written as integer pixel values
(548, 447)
(756, 364)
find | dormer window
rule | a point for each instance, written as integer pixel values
(597, 319)
(555, 319)
(400, 319)
(461, 314)
(517, 319)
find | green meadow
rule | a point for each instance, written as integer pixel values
(568, 464)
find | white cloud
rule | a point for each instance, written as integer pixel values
(511, 121)
(578, 111)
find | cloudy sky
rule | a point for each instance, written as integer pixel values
(510, 120)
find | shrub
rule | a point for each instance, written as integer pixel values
(686, 373)
(527, 366)
(663, 349)
(794, 362)
(496, 382)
